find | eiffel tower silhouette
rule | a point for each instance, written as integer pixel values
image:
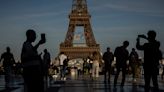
(79, 17)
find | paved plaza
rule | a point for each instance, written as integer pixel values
(82, 84)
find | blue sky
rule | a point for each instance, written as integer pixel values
(113, 21)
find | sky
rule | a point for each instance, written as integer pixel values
(112, 21)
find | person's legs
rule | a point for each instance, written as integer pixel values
(93, 71)
(136, 71)
(61, 71)
(147, 78)
(33, 79)
(123, 76)
(28, 79)
(64, 72)
(7, 76)
(46, 77)
(155, 82)
(105, 74)
(116, 76)
(39, 79)
(97, 71)
(133, 71)
(109, 72)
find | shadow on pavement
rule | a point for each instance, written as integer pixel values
(9, 89)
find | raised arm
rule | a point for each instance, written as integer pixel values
(138, 45)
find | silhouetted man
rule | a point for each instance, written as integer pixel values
(31, 61)
(151, 59)
(8, 62)
(108, 57)
(122, 55)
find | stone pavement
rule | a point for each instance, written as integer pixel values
(82, 84)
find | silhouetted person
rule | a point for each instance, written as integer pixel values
(31, 61)
(8, 62)
(89, 66)
(62, 57)
(46, 62)
(95, 65)
(134, 63)
(85, 66)
(108, 57)
(151, 59)
(65, 65)
(122, 55)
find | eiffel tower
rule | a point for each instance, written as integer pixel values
(79, 17)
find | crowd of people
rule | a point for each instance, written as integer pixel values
(35, 68)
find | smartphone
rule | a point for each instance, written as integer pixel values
(43, 38)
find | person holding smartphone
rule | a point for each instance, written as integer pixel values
(151, 59)
(31, 61)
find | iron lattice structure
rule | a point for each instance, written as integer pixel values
(79, 17)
